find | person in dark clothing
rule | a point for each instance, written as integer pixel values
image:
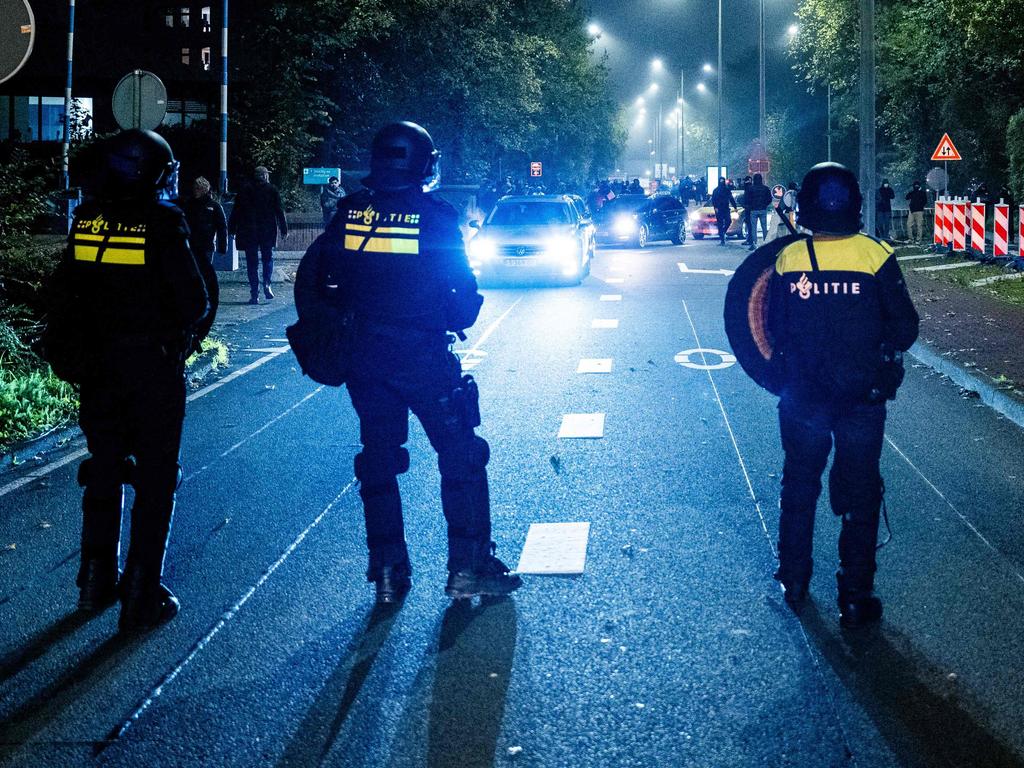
(722, 200)
(883, 210)
(840, 316)
(756, 202)
(131, 299)
(329, 197)
(399, 253)
(745, 186)
(208, 229)
(255, 221)
(916, 199)
(634, 188)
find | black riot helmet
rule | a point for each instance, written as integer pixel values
(829, 200)
(137, 164)
(403, 156)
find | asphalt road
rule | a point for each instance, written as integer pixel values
(674, 648)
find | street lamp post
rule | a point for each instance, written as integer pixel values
(66, 147)
(719, 86)
(867, 111)
(224, 99)
(761, 75)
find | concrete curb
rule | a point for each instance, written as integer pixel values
(1008, 406)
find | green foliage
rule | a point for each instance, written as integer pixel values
(32, 402)
(1015, 153)
(214, 350)
(22, 199)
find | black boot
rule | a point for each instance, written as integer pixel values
(488, 576)
(858, 604)
(393, 583)
(101, 532)
(794, 589)
(146, 603)
(97, 583)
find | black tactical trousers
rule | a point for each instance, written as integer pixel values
(423, 381)
(131, 414)
(855, 485)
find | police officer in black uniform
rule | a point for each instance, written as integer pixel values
(400, 254)
(130, 297)
(840, 315)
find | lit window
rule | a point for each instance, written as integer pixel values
(184, 15)
(206, 59)
(205, 15)
(185, 57)
(169, 17)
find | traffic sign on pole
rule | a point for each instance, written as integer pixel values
(536, 169)
(140, 101)
(946, 150)
(17, 36)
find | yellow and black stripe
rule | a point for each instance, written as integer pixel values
(855, 253)
(110, 249)
(362, 237)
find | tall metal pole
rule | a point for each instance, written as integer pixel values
(659, 171)
(867, 112)
(682, 124)
(224, 99)
(761, 75)
(828, 110)
(719, 87)
(66, 148)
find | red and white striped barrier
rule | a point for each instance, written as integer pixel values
(939, 212)
(960, 226)
(1001, 235)
(1020, 232)
(947, 222)
(978, 227)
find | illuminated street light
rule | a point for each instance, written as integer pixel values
(652, 88)
(702, 88)
(793, 30)
(594, 30)
(708, 68)
(639, 101)
(657, 65)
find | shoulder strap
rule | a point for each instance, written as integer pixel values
(810, 252)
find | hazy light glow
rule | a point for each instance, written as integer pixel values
(657, 65)
(702, 88)
(652, 88)
(708, 68)
(594, 30)
(639, 101)
(793, 29)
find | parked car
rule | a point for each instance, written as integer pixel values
(704, 224)
(533, 236)
(635, 221)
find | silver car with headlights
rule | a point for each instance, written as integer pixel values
(533, 237)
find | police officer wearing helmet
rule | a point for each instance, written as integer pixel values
(128, 304)
(840, 316)
(402, 261)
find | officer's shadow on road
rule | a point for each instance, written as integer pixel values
(470, 669)
(899, 690)
(319, 730)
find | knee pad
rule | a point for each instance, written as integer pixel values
(377, 466)
(466, 459)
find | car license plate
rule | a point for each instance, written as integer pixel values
(521, 262)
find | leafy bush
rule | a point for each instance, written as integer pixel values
(22, 199)
(32, 402)
(1015, 153)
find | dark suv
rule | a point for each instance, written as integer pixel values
(635, 221)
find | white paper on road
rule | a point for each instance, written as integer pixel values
(595, 365)
(614, 280)
(555, 549)
(582, 426)
(604, 324)
(957, 265)
(611, 297)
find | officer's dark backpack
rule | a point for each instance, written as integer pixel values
(322, 338)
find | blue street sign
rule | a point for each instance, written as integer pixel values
(319, 175)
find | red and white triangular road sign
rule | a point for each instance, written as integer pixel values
(946, 150)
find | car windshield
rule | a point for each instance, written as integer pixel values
(518, 214)
(624, 204)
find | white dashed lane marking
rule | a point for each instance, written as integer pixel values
(604, 323)
(595, 365)
(611, 297)
(555, 549)
(582, 426)
(614, 280)
(687, 271)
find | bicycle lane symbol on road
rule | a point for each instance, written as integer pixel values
(698, 359)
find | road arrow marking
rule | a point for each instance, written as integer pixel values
(687, 271)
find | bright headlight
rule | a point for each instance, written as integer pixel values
(482, 248)
(625, 224)
(695, 216)
(560, 248)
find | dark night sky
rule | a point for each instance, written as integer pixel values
(684, 34)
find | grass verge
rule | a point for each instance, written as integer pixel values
(1009, 291)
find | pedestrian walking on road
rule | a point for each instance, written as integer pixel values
(128, 304)
(255, 221)
(840, 316)
(757, 202)
(917, 199)
(883, 208)
(402, 258)
(329, 197)
(722, 200)
(208, 229)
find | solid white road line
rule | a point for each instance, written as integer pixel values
(604, 323)
(957, 512)
(687, 271)
(227, 616)
(582, 426)
(997, 279)
(920, 258)
(490, 329)
(957, 265)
